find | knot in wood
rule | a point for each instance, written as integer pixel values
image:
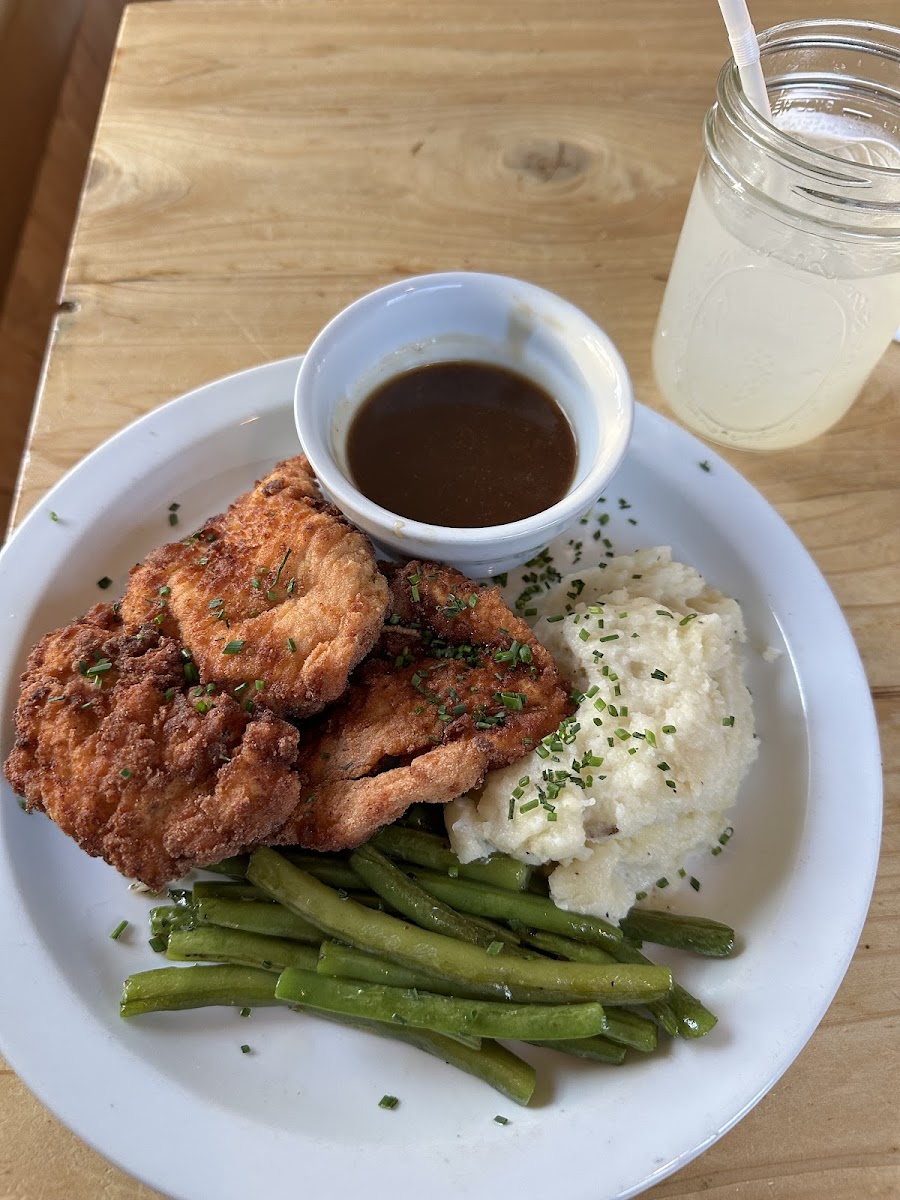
(547, 160)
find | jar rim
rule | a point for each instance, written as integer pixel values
(785, 146)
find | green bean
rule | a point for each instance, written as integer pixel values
(426, 850)
(598, 1049)
(412, 902)
(441, 1014)
(165, 918)
(270, 919)
(698, 934)
(630, 1029)
(214, 945)
(427, 817)
(228, 889)
(236, 867)
(555, 943)
(680, 1014)
(346, 962)
(327, 868)
(172, 988)
(627, 1028)
(402, 943)
(533, 910)
(492, 1063)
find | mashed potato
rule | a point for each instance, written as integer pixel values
(642, 775)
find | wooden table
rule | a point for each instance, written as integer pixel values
(258, 165)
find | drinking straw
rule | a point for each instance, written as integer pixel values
(745, 48)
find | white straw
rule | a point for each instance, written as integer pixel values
(745, 49)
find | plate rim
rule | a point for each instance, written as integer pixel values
(81, 1119)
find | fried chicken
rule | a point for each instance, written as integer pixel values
(279, 589)
(139, 770)
(458, 685)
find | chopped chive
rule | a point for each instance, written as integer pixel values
(695, 883)
(681, 872)
(584, 635)
(664, 766)
(245, 1012)
(662, 612)
(104, 583)
(174, 507)
(271, 595)
(527, 807)
(157, 943)
(690, 617)
(498, 1120)
(728, 721)
(169, 694)
(553, 620)
(670, 783)
(245, 1049)
(234, 647)
(657, 674)
(259, 684)
(704, 466)
(287, 555)
(126, 772)
(662, 883)
(716, 850)
(610, 637)
(495, 948)
(726, 836)
(292, 645)
(388, 1102)
(119, 930)
(668, 729)
(651, 738)
(640, 895)
(173, 518)
(53, 516)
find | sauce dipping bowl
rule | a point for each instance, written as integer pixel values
(465, 316)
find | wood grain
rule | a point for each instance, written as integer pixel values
(259, 165)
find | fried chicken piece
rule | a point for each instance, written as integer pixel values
(113, 747)
(458, 685)
(280, 589)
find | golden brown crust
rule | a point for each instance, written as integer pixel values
(130, 768)
(429, 713)
(283, 580)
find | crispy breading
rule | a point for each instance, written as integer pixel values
(457, 686)
(280, 589)
(111, 745)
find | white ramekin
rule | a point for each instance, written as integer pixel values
(465, 316)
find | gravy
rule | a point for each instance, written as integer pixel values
(464, 444)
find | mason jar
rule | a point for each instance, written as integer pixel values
(785, 287)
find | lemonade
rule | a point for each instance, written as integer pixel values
(785, 287)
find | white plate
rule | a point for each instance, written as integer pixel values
(172, 1099)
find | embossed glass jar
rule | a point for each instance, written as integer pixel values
(785, 287)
